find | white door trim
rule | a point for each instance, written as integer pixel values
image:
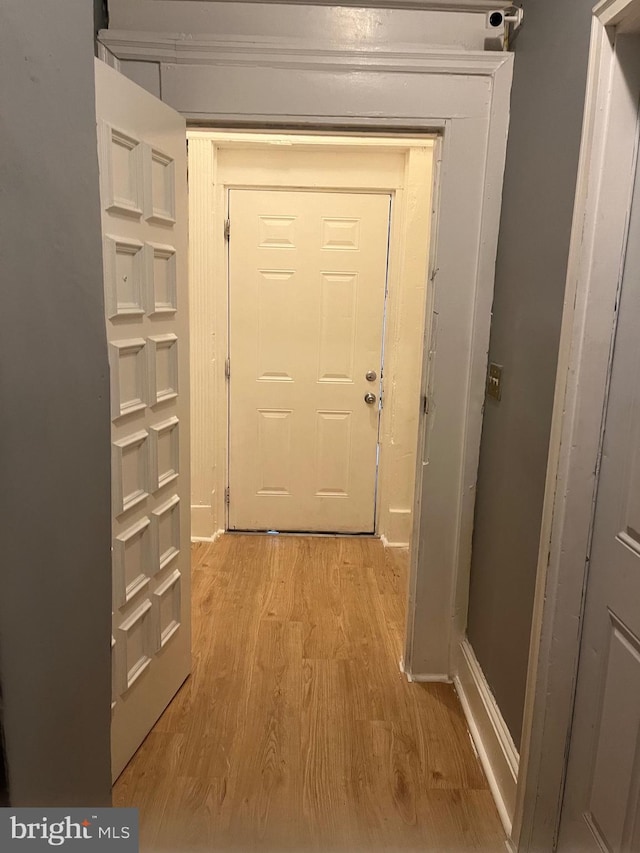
(603, 201)
(423, 5)
(293, 53)
(463, 95)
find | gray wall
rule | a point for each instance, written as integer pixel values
(4, 781)
(100, 15)
(542, 158)
(54, 432)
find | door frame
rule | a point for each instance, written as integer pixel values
(221, 161)
(390, 88)
(598, 242)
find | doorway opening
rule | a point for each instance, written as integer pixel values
(337, 453)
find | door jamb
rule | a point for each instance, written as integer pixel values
(598, 240)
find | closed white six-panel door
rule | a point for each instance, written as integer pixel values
(142, 154)
(601, 808)
(307, 279)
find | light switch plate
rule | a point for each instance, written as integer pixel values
(494, 381)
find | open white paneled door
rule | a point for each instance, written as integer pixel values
(142, 152)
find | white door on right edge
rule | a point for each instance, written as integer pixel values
(307, 279)
(601, 808)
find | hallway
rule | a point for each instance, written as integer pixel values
(296, 730)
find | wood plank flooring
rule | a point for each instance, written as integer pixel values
(296, 730)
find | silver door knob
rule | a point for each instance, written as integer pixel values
(371, 376)
(370, 398)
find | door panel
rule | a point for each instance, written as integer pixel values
(307, 279)
(600, 809)
(144, 219)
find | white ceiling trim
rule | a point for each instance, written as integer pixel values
(290, 53)
(625, 13)
(425, 5)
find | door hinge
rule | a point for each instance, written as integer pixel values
(227, 368)
(226, 496)
(425, 404)
(227, 229)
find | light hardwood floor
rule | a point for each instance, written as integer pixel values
(296, 730)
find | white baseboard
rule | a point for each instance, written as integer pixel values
(212, 538)
(202, 525)
(388, 544)
(496, 749)
(434, 678)
(396, 524)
